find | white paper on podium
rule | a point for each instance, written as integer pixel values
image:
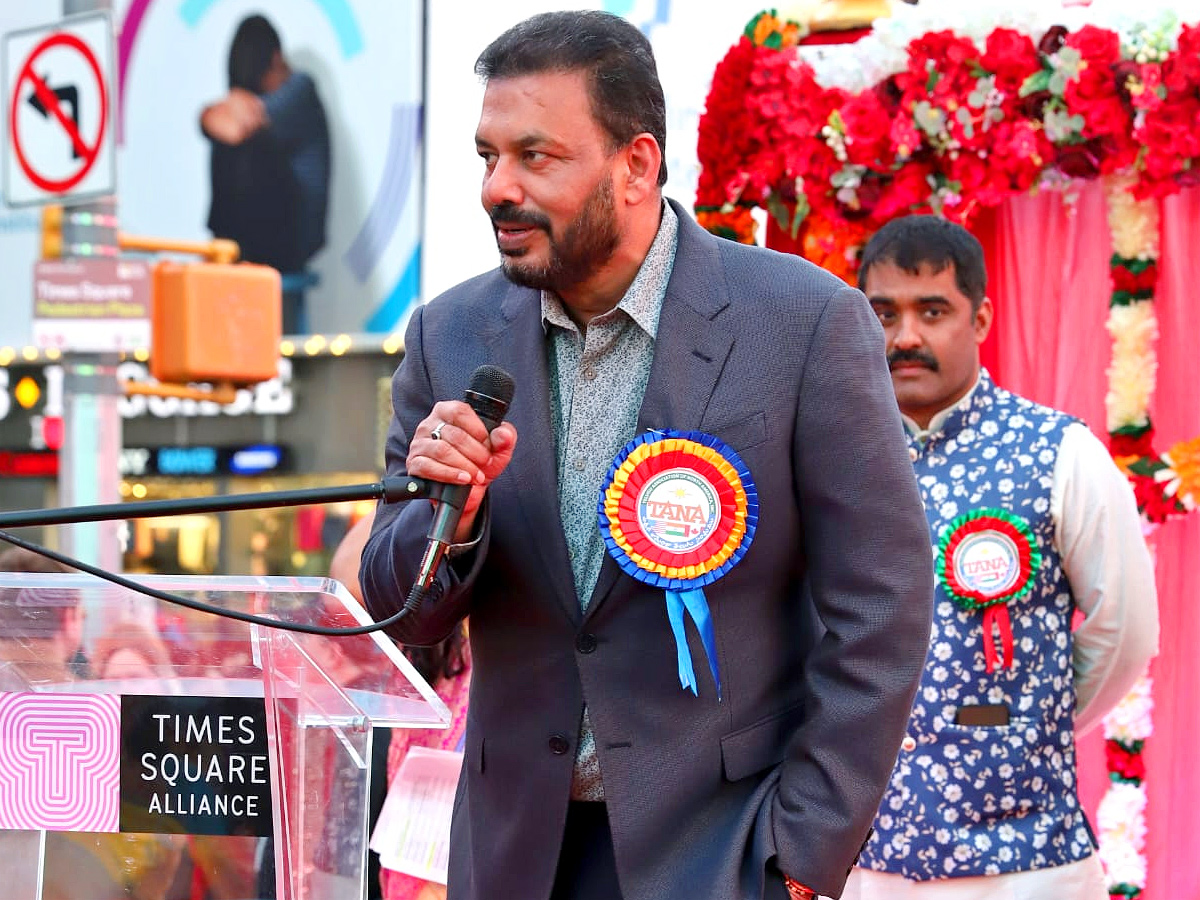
(412, 834)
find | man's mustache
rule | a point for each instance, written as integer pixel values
(511, 214)
(896, 357)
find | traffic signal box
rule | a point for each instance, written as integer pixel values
(215, 322)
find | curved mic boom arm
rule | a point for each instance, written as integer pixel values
(390, 490)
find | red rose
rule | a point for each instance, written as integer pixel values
(1053, 40)
(1128, 765)
(1021, 151)
(1098, 46)
(868, 131)
(1033, 106)
(1147, 280)
(992, 180)
(1107, 117)
(1126, 74)
(906, 139)
(1151, 75)
(1093, 93)
(1129, 445)
(945, 48)
(1181, 72)
(1078, 160)
(889, 94)
(944, 58)
(1011, 57)
(1129, 282)
(1150, 500)
(1171, 143)
(908, 191)
(869, 193)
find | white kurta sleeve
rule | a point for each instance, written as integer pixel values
(1106, 561)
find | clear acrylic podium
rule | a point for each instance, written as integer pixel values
(146, 748)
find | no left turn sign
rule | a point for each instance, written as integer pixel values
(58, 111)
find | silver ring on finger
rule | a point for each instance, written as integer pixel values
(436, 434)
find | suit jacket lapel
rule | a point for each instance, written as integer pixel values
(518, 345)
(690, 350)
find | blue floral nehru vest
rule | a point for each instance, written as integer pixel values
(986, 799)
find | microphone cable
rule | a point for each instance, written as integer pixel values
(200, 606)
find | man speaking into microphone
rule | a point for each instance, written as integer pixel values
(699, 580)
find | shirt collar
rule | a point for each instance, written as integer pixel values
(938, 422)
(643, 299)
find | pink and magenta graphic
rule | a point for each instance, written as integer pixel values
(60, 757)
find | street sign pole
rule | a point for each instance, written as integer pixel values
(89, 471)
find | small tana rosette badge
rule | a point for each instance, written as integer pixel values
(988, 559)
(678, 510)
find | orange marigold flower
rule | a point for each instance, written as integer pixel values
(737, 225)
(767, 25)
(1124, 462)
(1185, 460)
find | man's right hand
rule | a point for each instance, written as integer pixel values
(461, 453)
(234, 119)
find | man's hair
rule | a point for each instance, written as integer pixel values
(255, 43)
(912, 242)
(627, 97)
(33, 612)
(18, 559)
(143, 640)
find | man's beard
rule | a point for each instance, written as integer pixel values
(586, 244)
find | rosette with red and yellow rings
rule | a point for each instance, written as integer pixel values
(987, 559)
(678, 510)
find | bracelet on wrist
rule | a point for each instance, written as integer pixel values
(797, 891)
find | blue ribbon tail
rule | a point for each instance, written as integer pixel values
(696, 605)
(687, 675)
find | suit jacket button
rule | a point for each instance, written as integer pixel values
(559, 745)
(586, 642)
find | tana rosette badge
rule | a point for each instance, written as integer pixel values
(677, 511)
(987, 559)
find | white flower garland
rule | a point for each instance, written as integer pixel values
(1134, 225)
(1134, 366)
(1130, 720)
(1122, 822)
(1122, 814)
(1121, 818)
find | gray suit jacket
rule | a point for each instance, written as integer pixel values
(821, 629)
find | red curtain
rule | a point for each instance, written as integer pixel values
(1048, 277)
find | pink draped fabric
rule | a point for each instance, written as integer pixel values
(1048, 262)
(1048, 267)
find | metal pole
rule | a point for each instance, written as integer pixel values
(89, 464)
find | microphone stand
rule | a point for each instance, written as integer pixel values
(390, 490)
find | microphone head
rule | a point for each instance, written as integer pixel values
(490, 393)
(494, 382)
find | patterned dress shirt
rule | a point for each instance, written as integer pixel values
(597, 380)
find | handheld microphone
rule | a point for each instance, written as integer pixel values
(490, 391)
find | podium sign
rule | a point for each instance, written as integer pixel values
(193, 740)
